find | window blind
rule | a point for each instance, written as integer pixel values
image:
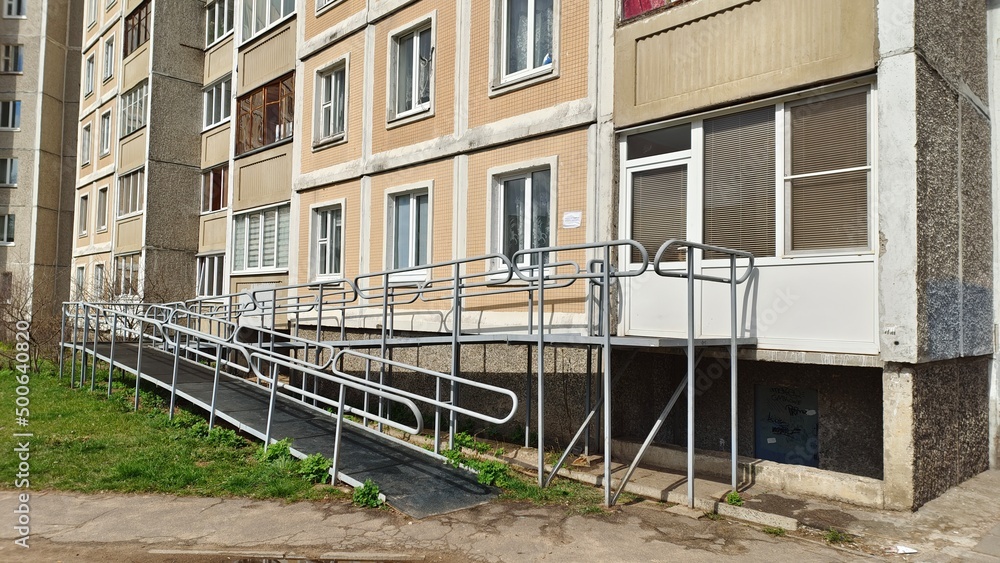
(659, 209)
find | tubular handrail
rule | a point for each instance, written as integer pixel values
(440, 375)
(579, 274)
(676, 243)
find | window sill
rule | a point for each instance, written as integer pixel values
(6, 244)
(320, 10)
(328, 142)
(332, 280)
(105, 153)
(220, 39)
(217, 124)
(537, 76)
(408, 278)
(82, 235)
(10, 129)
(15, 17)
(409, 117)
(8, 185)
(106, 79)
(261, 271)
(257, 150)
(213, 211)
(103, 229)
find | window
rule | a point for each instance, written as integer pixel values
(7, 229)
(98, 289)
(105, 133)
(258, 15)
(102, 209)
(409, 219)
(78, 287)
(524, 221)
(136, 29)
(214, 184)
(91, 12)
(127, 274)
(88, 76)
(130, 187)
(85, 145)
(15, 8)
(260, 240)
(328, 232)
(412, 57)
(526, 38)
(13, 59)
(218, 20)
(10, 114)
(633, 8)
(816, 148)
(332, 102)
(8, 172)
(109, 58)
(83, 215)
(218, 102)
(320, 4)
(133, 105)
(265, 116)
(211, 275)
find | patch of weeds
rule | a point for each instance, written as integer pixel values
(837, 537)
(592, 509)
(499, 452)
(315, 468)
(367, 495)
(276, 452)
(464, 440)
(715, 516)
(226, 438)
(491, 472)
(774, 531)
(733, 498)
(454, 457)
(198, 430)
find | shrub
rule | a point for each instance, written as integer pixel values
(315, 468)
(278, 451)
(734, 499)
(225, 437)
(367, 495)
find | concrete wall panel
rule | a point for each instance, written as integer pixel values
(136, 68)
(128, 236)
(219, 61)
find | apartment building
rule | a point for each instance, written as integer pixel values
(138, 167)
(847, 145)
(39, 47)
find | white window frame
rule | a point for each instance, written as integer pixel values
(101, 212)
(324, 5)
(88, 75)
(694, 159)
(495, 178)
(13, 111)
(320, 136)
(97, 281)
(15, 9)
(83, 216)
(501, 81)
(133, 262)
(214, 264)
(105, 138)
(131, 197)
(260, 214)
(91, 13)
(109, 58)
(205, 180)
(225, 9)
(12, 59)
(389, 234)
(252, 7)
(85, 147)
(133, 110)
(317, 240)
(5, 224)
(79, 283)
(221, 90)
(418, 111)
(10, 177)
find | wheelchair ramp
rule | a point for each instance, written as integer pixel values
(412, 482)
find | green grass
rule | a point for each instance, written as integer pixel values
(837, 537)
(774, 531)
(88, 443)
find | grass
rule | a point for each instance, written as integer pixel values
(88, 443)
(774, 531)
(837, 537)
(733, 498)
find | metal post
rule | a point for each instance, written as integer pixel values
(270, 405)
(541, 372)
(76, 323)
(177, 365)
(527, 400)
(93, 361)
(62, 340)
(606, 391)
(336, 440)
(690, 377)
(586, 399)
(215, 384)
(138, 365)
(111, 353)
(456, 356)
(386, 319)
(732, 365)
(83, 348)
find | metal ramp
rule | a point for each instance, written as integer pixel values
(271, 361)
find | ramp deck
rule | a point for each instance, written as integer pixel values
(412, 482)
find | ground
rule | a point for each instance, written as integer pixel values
(75, 527)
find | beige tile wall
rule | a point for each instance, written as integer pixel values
(314, 25)
(350, 149)
(350, 194)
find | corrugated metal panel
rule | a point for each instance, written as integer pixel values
(219, 61)
(268, 59)
(128, 236)
(136, 68)
(266, 181)
(213, 233)
(133, 152)
(215, 147)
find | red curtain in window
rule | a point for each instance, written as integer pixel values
(634, 8)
